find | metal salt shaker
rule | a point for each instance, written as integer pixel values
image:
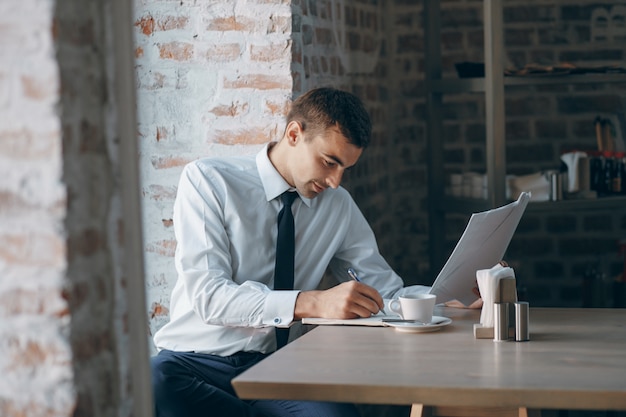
(500, 322)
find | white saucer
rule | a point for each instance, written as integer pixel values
(421, 328)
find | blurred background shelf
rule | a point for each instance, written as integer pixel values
(477, 85)
(493, 86)
(462, 205)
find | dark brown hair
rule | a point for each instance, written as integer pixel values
(322, 108)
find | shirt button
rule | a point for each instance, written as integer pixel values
(277, 320)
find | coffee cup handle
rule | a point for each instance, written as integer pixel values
(394, 305)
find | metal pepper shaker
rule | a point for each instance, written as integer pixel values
(521, 321)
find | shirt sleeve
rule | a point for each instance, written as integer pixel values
(203, 260)
(359, 250)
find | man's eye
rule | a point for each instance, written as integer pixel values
(328, 163)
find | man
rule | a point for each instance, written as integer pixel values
(224, 310)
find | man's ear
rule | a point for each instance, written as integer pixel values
(294, 132)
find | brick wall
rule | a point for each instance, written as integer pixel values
(63, 315)
(217, 79)
(34, 317)
(195, 102)
(349, 48)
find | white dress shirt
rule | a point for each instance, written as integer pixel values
(225, 225)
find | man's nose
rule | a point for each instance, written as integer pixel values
(334, 179)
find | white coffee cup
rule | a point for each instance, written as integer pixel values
(418, 307)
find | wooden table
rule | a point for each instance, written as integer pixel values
(576, 359)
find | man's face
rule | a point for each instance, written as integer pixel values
(320, 161)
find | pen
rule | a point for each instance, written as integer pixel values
(352, 274)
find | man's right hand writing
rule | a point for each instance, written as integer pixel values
(348, 300)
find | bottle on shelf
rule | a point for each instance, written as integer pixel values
(618, 174)
(607, 188)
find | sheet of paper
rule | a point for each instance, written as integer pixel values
(481, 246)
(376, 320)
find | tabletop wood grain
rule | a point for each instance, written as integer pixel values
(576, 359)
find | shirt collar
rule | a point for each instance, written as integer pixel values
(273, 183)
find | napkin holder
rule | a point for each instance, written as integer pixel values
(506, 293)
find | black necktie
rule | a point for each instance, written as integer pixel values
(285, 250)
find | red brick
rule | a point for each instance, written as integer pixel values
(172, 22)
(138, 52)
(75, 32)
(36, 88)
(178, 51)
(154, 81)
(76, 294)
(233, 109)
(279, 24)
(259, 82)
(296, 52)
(27, 144)
(277, 108)
(163, 247)
(92, 344)
(224, 52)
(91, 138)
(30, 302)
(87, 242)
(270, 53)
(324, 36)
(164, 133)
(231, 23)
(297, 82)
(160, 192)
(17, 408)
(13, 203)
(32, 249)
(250, 136)
(157, 309)
(164, 162)
(146, 24)
(30, 355)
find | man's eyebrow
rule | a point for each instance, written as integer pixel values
(334, 158)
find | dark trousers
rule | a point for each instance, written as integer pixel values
(188, 384)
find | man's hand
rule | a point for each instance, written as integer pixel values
(348, 300)
(457, 304)
(475, 305)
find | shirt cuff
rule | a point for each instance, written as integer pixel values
(279, 308)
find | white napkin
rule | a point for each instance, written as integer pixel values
(488, 285)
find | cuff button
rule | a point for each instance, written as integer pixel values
(277, 320)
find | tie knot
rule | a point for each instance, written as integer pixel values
(288, 197)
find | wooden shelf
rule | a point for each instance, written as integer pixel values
(462, 205)
(603, 203)
(477, 85)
